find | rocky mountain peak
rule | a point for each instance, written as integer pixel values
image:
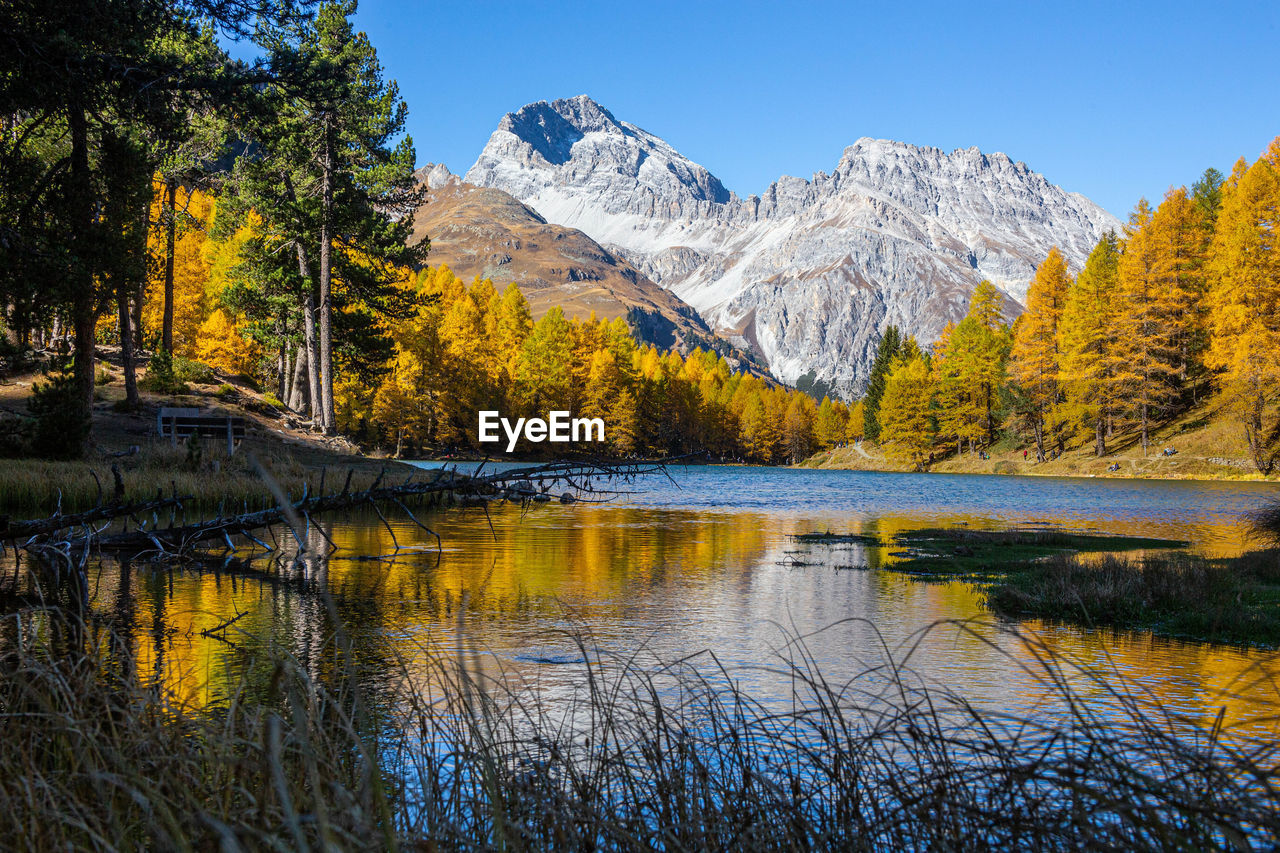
(811, 271)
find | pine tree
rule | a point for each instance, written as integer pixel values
(335, 120)
(1033, 361)
(886, 350)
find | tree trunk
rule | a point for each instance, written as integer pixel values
(138, 296)
(130, 282)
(1099, 439)
(298, 391)
(126, 345)
(1039, 427)
(327, 414)
(1145, 435)
(309, 333)
(170, 214)
(83, 304)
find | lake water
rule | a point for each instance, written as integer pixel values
(702, 560)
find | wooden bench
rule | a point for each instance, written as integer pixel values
(174, 423)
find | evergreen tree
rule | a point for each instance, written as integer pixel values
(1207, 195)
(334, 123)
(887, 349)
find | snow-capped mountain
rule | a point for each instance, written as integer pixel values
(810, 272)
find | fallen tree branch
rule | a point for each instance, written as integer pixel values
(520, 485)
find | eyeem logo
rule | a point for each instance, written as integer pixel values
(558, 427)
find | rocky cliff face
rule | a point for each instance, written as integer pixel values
(810, 272)
(485, 232)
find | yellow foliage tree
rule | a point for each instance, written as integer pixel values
(1244, 266)
(220, 345)
(904, 410)
(194, 287)
(1086, 341)
(1033, 364)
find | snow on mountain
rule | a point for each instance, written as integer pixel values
(810, 272)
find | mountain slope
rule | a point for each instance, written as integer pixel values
(810, 272)
(477, 231)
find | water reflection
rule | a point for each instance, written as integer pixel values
(672, 571)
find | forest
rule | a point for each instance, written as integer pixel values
(1182, 306)
(198, 212)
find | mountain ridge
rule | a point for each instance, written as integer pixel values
(810, 271)
(487, 233)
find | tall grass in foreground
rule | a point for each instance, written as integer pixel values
(641, 756)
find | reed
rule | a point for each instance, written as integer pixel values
(642, 755)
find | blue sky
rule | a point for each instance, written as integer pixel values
(1113, 100)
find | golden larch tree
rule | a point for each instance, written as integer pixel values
(1244, 268)
(1033, 362)
(1086, 339)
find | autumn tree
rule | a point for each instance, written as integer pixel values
(1157, 321)
(906, 431)
(1033, 363)
(1086, 341)
(1244, 265)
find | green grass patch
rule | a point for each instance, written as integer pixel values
(829, 538)
(981, 554)
(1183, 595)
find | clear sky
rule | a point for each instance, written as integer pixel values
(1114, 100)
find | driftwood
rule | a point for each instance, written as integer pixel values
(587, 481)
(13, 531)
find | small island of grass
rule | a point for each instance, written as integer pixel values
(1098, 579)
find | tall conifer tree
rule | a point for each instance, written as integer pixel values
(1033, 361)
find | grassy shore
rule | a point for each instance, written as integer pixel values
(295, 457)
(1180, 595)
(1209, 441)
(641, 756)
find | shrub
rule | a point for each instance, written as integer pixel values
(272, 400)
(161, 376)
(226, 392)
(61, 418)
(187, 370)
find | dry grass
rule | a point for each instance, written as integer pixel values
(642, 756)
(36, 487)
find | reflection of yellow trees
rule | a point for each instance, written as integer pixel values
(606, 567)
(1189, 680)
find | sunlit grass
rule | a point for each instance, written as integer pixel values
(37, 487)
